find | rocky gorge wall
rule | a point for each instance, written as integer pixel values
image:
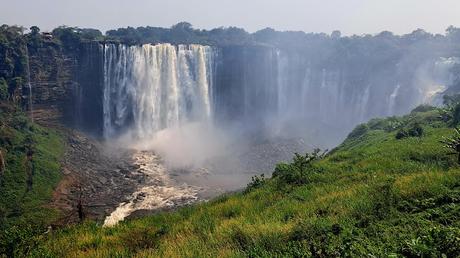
(286, 92)
(271, 90)
(66, 85)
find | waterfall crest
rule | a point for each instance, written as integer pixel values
(149, 88)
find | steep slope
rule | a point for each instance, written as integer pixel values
(390, 189)
(29, 170)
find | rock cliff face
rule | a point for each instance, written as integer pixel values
(89, 91)
(278, 90)
(67, 85)
(265, 88)
(245, 83)
(52, 78)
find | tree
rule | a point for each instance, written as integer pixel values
(336, 34)
(69, 37)
(297, 172)
(90, 34)
(453, 33)
(453, 143)
(34, 30)
(184, 26)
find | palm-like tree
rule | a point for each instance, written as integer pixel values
(453, 143)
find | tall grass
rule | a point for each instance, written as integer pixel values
(373, 196)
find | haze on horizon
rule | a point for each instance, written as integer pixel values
(350, 17)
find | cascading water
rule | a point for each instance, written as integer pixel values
(29, 88)
(392, 100)
(270, 92)
(149, 92)
(153, 87)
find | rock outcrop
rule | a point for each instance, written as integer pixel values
(66, 85)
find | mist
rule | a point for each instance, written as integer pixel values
(214, 113)
(190, 145)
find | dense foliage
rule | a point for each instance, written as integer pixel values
(373, 196)
(29, 171)
(13, 62)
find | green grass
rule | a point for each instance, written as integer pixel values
(26, 185)
(373, 196)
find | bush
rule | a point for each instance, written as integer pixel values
(256, 182)
(15, 85)
(321, 237)
(3, 89)
(388, 124)
(358, 131)
(17, 241)
(416, 130)
(297, 172)
(456, 115)
(437, 242)
(422, 108)
(401, 134)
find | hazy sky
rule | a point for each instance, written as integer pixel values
(349, 16)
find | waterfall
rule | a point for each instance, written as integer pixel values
(149, 88)
(29, 88)
(392, 100)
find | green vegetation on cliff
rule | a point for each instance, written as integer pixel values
(376, 195)
(29, 170)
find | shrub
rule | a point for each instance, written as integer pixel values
(297, 172)
(15, 85)
(358, 131)
(392, 125)
(321, 237)
(3, 89)
(388, 124)
(256, 182)
(456, 115)
(453, 143)
(436, 242)
(446, 240)
(18, 241)
(401, 134)
(445, 114)
(416, 130)
(422, 108)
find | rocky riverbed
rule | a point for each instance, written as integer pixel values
(158, 191)
(109, 183)
(95, 180)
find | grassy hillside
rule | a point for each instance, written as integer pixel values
(29, 170)
(373, 196)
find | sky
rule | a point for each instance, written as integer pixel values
(348, 16)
